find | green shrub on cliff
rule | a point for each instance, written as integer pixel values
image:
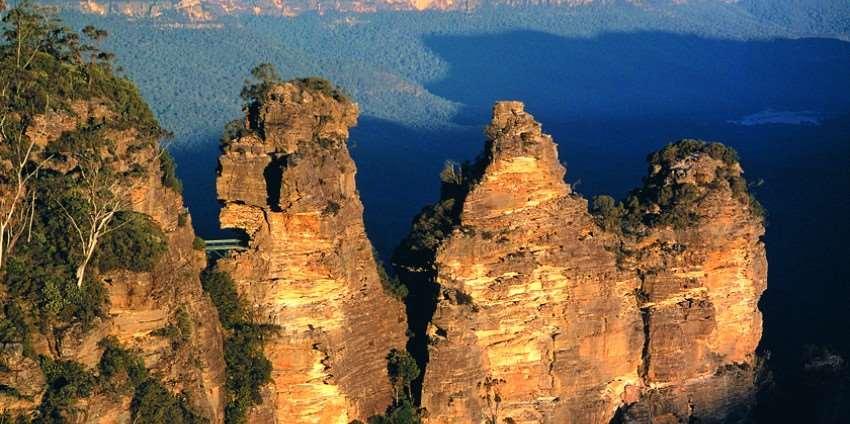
(169, 172)
(136, 244)
(67, 204)
(65, 383)
(248, 369)
(119, 363)
(122, 369)
(153, 403)
(662, 202)
(402, 371)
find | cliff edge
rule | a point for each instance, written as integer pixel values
(287, 181)
(550, 311)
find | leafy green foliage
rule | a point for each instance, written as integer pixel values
(391, 284)
(322, 85)
(403, 413)
(48, 68)
(15, 328)
(155, 404)
(263, 77)
(179, 331)
(247, 367)
(119, 363)
(402, 370)
(169, 172)
(136, 244)
(122, 369)
(222, 291)
(247, 370)
(664, 202)
(608, 212)
(66, 381)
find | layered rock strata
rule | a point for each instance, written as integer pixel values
(534, 321)
(288, 183)
(139, 304)
(544, 316)
(699, 293)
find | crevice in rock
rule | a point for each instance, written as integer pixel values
(641, 298)
(273, 174)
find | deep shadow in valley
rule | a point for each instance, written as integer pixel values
(611, 100)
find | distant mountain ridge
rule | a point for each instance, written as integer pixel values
(210, 10)
(830, 18)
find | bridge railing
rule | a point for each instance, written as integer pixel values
(221, 247)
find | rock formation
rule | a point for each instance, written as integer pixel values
(544, 316)
(139, 304)
(699, 292)
(288, 183)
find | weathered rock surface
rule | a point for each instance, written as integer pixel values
(310, 269)
(530, 297)
(139, 303)
(700, 287)
(543, 316)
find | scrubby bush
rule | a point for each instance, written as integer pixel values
(402, 370)
(65, 383)
(136, 244)
(247, 367)
(168, 168)
(117, 363)
(222, 291)
(323, 86)
(179, 331)
(608, 213)
(153, 403)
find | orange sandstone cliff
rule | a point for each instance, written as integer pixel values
(139, 305)
(288, 183)
(545, 313)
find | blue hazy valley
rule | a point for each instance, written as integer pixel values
(610, 84)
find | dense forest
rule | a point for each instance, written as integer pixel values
(66, 214)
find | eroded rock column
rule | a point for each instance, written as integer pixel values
(534, 320)
(288, 182)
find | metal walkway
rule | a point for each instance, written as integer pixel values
(221, 247)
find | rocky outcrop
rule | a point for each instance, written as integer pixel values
(544, 316)
(288, 183)
(534, 321)
(699, 293)
(139, 305)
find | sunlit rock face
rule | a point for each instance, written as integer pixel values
(140, 304)
(699, 294)
(534, 321)
(310, 269)
(543, 316)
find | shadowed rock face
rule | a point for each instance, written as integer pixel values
(542, 316)
(310, 269)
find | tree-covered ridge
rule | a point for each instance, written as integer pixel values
(662, 200)
(75, 139)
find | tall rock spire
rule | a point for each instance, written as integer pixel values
(289, 184)
(643, 312)
(534, 321)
